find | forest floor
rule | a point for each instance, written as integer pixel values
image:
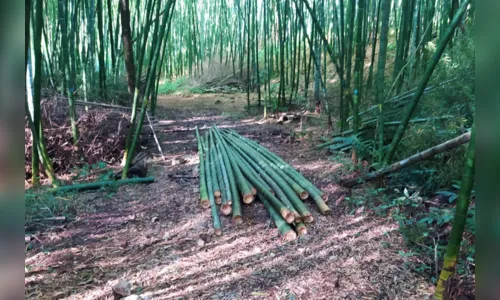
(159, 239)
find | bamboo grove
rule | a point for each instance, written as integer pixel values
(91, 49)
(288, 53)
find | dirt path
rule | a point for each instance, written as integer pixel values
(160, 240)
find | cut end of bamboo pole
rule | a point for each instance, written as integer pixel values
(323, 208)
(218, 232)
(308, 219)
(301, 229)
(297, 217)
(304, 195)
(237, 220)
(290, 236)
(226, 209)
(254, 191)
(217, 194)
(218, 200)
(285, 213)
(205, 203)
(247, 199)
(290, 218)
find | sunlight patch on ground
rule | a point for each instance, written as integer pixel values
(317, 165)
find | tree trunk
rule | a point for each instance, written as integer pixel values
(385, 7)
(102, 65)
(128, 52)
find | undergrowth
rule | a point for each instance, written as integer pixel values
(173, 86)
(42, 205)
(424, 224)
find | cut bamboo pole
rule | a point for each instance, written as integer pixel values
(285, 230)
(292, 197)
(99, 184)
(227, 195)
(234, 206)
(301, 229)
(213, 206)
(204, 201)
(241, 181)
(291, 175)
(213, 167)
(302, 182)
(276, 189)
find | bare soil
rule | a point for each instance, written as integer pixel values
(159, 239)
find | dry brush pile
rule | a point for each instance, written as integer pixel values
(234, 169)
(102, 136)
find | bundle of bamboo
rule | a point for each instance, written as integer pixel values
(234, 169)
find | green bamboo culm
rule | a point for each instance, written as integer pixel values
(282, 164)
(219, 182)
(301, 192)
(140, 47)
(149, 83)
(227, 195)
(292, 197)
(285, 230)
(69, 84)
(268, 182)
(214, 180)
(235, 197)
(301, 229)
(211, 197)
(241, 181)
(210, 178)
(385, 7)
(453, 249)
(39, 151)
(97, 185)
(292, 178)
(204, 201)
(398, 136)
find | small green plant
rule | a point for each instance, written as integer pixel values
(170, 87)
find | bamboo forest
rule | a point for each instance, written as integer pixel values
(249, 149)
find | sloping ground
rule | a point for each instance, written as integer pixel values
(160, 240)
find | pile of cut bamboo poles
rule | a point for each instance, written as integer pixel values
(234, 169)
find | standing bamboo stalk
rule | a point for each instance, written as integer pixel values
(398, 136)
(455, 239)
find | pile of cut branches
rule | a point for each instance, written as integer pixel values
(102, 136)
(234, 169)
